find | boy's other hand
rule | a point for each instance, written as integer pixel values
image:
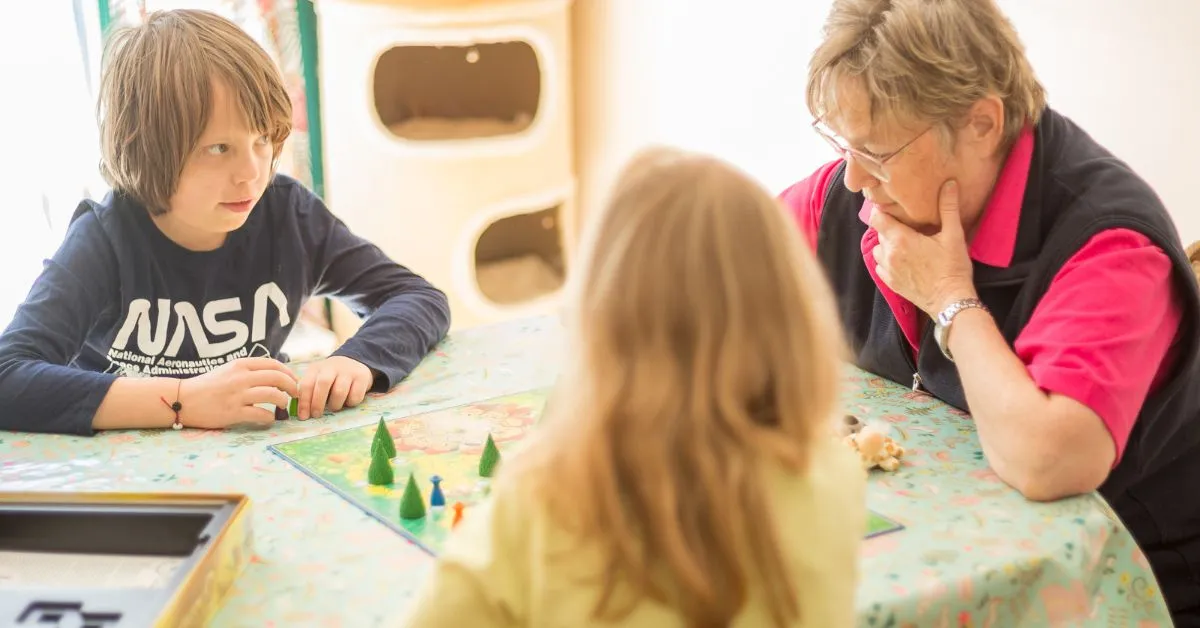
(332, 384)
(227, 395)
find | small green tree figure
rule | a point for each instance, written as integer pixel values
(412, 505)
(383, 440)
(489, 459)
(380, 472)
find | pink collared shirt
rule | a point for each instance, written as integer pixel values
(1104, 331)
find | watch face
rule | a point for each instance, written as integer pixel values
(945, 316)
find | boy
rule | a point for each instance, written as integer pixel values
(187, 278)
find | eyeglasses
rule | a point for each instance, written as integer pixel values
(874, 165)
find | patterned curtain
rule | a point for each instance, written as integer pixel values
(287, 30)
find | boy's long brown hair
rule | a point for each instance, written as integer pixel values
(156, 97)
(705, 349)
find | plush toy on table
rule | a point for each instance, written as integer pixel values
(874, 447)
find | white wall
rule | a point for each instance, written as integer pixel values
(48, 161)
(708, 76)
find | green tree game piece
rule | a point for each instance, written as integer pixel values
(293, 405)
(412, 505)
(380, 472)
(489, 459)
(383, 438)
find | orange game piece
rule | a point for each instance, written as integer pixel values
(458, 508)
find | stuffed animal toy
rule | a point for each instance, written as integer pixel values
(875, 448)
(849, 425)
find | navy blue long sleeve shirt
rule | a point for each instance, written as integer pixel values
(119, 298)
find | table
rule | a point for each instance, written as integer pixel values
(974, 552)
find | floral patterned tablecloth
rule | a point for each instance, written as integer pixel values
(973, 552)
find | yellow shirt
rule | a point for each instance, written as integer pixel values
(495, 569)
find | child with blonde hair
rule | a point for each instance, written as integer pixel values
(685, 473)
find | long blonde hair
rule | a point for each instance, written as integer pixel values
(704, 346)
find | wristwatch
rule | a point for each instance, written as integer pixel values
(941, 324)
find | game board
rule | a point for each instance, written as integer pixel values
(878, 524)
(446, 443)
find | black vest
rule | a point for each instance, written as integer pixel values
(1075, 189)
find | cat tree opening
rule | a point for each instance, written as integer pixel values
(447, 92)
(520, 258)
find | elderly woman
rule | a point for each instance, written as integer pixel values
(986, 250)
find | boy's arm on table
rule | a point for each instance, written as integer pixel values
(405, 315)
(40, 392)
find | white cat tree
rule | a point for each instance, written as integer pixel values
(448, 142)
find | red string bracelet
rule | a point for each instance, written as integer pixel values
(175, 407)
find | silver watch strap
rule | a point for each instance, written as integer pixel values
(941, 332)
(947, 315)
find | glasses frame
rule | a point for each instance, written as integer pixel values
(875, 166)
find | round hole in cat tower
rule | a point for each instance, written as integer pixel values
(452, 92)
(520, 257)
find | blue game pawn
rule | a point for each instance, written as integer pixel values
(436, 499)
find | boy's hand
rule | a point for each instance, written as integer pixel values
(227, 395)
(333, 383)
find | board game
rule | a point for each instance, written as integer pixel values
(445, 443)
(441, 451)
(146, 559)
(878, 524)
